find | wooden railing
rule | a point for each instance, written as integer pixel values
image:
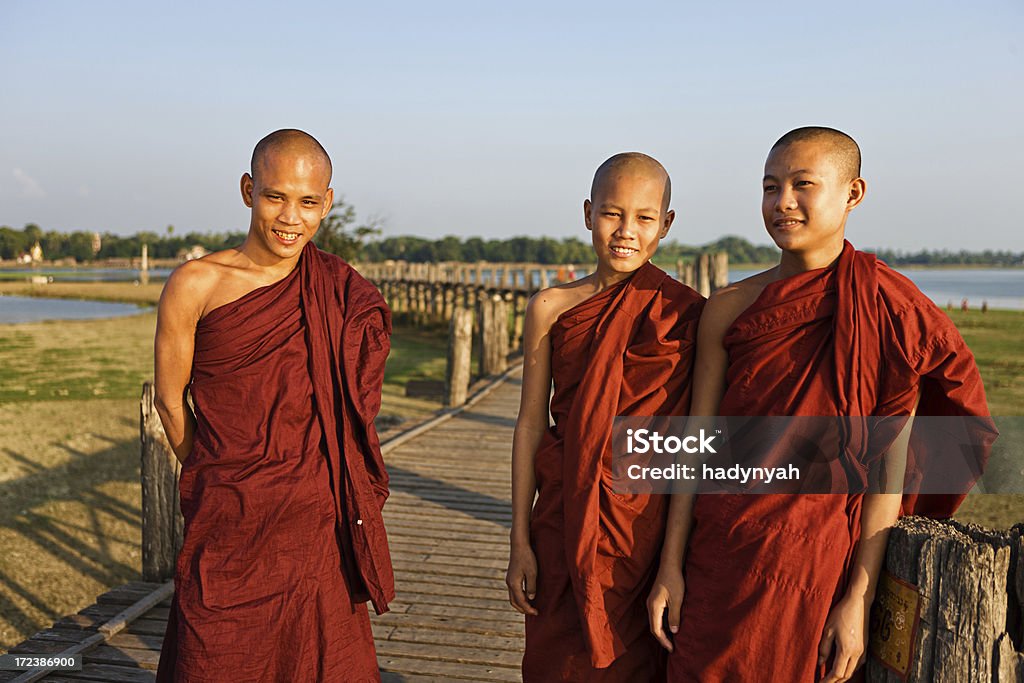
(706, 273)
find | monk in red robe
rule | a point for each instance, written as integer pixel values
(282, 348)
(779, 587)
(617, 342)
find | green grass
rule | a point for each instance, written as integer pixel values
(995, 338)
(111, 358)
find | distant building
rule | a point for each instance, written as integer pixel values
(36, 252)
(97, 243)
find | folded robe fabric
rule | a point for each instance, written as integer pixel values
(763, 571)
(625, 351)
(283, 489)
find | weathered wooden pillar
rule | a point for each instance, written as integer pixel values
(703, 275)
(951, 610)
(493, 335)
(422, 313)
(688, 276)
(519, 302)
(448, 300)
(719, 270)
(398, 304)
(162, 523)
(460, 352)
(681, 270)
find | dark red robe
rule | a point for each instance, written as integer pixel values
(282, 493)
(763, 571)
(625, 351)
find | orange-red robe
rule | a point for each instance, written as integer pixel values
(763, 571)
(625, 351)
(283, 489)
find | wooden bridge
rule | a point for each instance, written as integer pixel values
(448, 520)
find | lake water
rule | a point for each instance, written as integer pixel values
(84, 274)
(22, 309)
(1000, 287)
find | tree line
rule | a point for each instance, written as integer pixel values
(340, 233)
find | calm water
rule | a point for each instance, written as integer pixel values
(84, 274)
(21, 309)
(1000, 287)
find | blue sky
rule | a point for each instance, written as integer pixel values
(489, 119)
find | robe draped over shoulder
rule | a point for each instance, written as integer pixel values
(763, 571)
(282, 491)
(626, 351)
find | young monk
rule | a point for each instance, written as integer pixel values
(282, 349)
(779, 587)
(617, 342)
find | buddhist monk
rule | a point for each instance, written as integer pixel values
(617, 342)
(281, 348)
(779, 587)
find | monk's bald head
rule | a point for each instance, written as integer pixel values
(842, 150)
(631, 163)
(291, 142)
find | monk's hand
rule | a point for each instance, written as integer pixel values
(845, 630)
(665, 603)
(521, 577)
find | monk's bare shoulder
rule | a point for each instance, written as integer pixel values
(192, 288)
(545, 306)
(726, 304)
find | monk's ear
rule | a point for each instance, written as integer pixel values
(669, 217)
(246, 186)
(857, 189)
(328, 203)
(586, 214)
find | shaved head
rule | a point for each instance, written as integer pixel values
(841, 148)
(634, 163)
(289, 141)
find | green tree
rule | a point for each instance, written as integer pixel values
(338, 235)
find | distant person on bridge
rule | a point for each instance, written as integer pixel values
(617, 342)
(282, 349)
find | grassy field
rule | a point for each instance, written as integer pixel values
(69, 479)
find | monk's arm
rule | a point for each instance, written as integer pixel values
(531, 424)
(709, 371)
(177, 317)
(847, 622)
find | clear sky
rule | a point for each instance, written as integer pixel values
(481, 118)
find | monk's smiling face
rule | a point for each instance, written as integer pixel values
(289, 196)
(807, 195)
(627, 212)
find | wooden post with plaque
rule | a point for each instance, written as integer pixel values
(949, 605)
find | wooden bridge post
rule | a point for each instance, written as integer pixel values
(703, 276)
(460, 352)
(162, 523)
(719, 270)
(954, 612)
(447, 301)
(493, 335)
(688, 279)
(519, 301)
